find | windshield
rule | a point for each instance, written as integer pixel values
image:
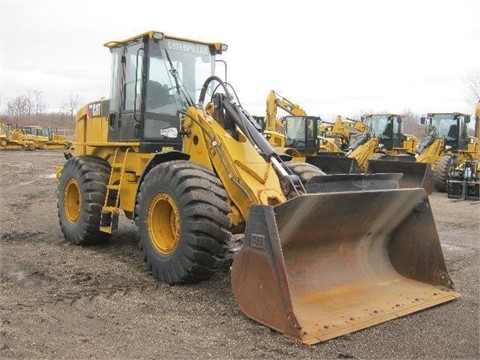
(300, 131)
(387, 128)
(383, 125)
(445, 125)
(176, 65)
(31, 130)
(295, 130)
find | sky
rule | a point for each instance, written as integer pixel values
(331, 57)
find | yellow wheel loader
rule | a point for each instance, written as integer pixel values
(383, 137)
(322, 256)
(463, 180)
(447, 145)
(386, 148)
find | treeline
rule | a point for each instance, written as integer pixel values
(29, 109)
(62, 122)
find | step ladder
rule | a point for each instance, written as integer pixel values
(110, 210)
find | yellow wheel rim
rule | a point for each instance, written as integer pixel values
(163, 223)
(72, 200)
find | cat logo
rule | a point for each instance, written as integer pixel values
(94, 110)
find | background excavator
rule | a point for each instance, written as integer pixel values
(290, 134)
(274, 126)
(322, 255)
(302, 137)
(342, 132)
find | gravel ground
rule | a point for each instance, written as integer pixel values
(62, 301)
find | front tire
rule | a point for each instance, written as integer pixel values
(80, 197)
(182, 215)
(441, 171)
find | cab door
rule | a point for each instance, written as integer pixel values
(125, 117)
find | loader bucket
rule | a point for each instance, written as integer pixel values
(415, 174)
(326, 264)
(333, 164)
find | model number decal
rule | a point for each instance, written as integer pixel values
(257, 241)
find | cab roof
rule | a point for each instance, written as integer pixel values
(158, 35)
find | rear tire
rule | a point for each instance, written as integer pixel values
(182, 215)
(441, 171)
(80, 197)
(304, 171)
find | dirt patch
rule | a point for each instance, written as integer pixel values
(61, 301)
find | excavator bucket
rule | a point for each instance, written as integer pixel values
(326, 264)
(415, 174)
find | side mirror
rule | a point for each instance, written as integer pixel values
(422, 120)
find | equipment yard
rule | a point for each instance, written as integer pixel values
(63, 301)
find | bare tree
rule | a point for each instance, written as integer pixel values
(2, 102)
(39, 103)
(472, 87)
(71, 105)
(20, 106)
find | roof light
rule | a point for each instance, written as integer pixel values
(158, 35)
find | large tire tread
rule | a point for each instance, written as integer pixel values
(304, 171)
(205, 226)
(440, 172)
(92, 174)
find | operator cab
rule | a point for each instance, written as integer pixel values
(301, 132)
(154, 78)
(450, 126)
(387, 128)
